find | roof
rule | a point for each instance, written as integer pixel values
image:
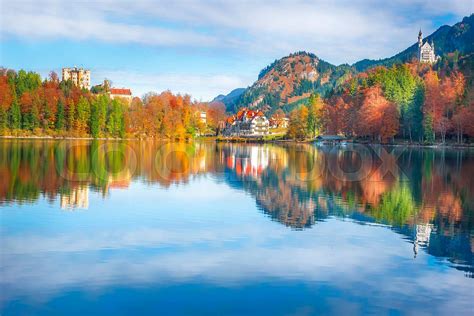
(122, 91)
(230, 120)
(426, 45)
(244, 115)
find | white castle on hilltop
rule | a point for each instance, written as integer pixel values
(426, 52)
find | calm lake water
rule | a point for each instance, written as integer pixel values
(151, 228)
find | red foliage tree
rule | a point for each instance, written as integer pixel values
(378, 117)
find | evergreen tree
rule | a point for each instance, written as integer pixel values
(428, 129)
(83, 115)
(94, 122)
(60, 116)
(31, 119)
(3, 119)
(35, 117)
(414, 116)
(71, 116)
(102, 106)
(116, 123)
(15, 115)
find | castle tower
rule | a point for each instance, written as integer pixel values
(426, 53)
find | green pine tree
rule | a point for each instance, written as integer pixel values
(428, 130)
(116, 122)
(83, 115)
(102, 107)
(71, 117)
(3, 119)
(15, 115)
(60, 116)
(31, 119)
(94, 121)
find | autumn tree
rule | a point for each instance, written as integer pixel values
(51, 95)
(452, 93)
(6, 98)
(315, 115)
(215, 113)
(333, 115)
(29, 104)
(378, 117)
(463, 121)
(297, 127)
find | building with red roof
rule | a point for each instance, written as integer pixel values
(247, 123)
(121, 93)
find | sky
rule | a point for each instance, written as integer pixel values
(207, 47)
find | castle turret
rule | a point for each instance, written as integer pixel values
(426, 52)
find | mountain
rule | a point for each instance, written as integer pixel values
(230, 99)
(447, 39)
(290, 80)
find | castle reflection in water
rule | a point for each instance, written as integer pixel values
(424, 194)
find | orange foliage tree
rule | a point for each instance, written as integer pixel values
(378, 117)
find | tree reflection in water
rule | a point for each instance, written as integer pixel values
(425, 194)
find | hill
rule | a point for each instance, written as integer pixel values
(447, 39)
(230, 99)
(288, 81)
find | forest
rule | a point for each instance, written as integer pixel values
(411, 101)
(414, 102)
(32, 106)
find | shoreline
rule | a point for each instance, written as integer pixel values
(245, 141)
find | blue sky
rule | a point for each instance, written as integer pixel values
(206, 47)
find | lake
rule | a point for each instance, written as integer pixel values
(143, 227)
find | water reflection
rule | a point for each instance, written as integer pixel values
(425, 195)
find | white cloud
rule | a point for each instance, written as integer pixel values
(366, 259)
(340, 31)
(82, 22)
(201, 87)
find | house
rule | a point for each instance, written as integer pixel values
(121, 93)
(279, 122)
(202, 116)
(247, 123)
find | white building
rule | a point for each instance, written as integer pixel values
(247, 123)
(80, 77)
(426, 52)
(203, 117)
